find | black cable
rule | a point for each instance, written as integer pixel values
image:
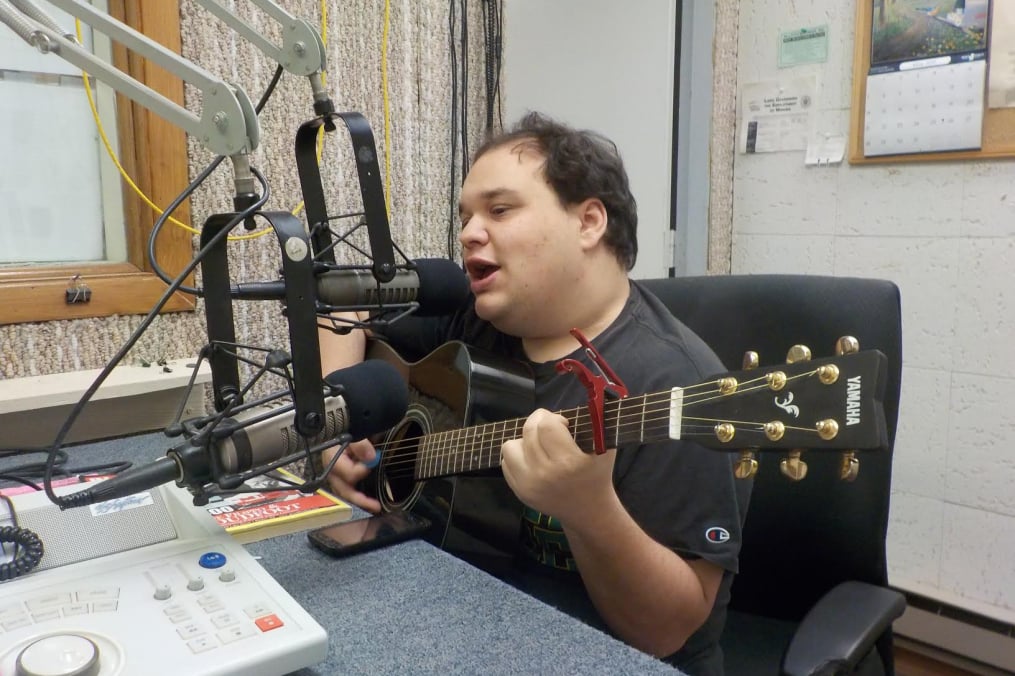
(14, 522)
(175, 204)
(36, 469)
(493, 52)
(145, 323)
(453, 53)
(164, 218)
(465, 89)
(487, 62)
(22, 561)
(13, 478)
(26, 559)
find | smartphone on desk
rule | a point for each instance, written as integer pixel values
(361, 535)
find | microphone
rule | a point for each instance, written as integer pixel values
(437, 284)
(379, 400)
(275, 436)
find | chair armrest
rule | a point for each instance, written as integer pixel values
(844, 625)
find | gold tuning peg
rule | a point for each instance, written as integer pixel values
(751, 360)
(798, 353)
(725, 432)
(849, 467)
(746, 466)
(846, 345)
(792, 467)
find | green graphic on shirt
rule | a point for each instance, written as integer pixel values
(543, 538)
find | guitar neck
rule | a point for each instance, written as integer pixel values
(825, 404)
(473, 449)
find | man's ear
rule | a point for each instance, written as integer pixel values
(593, 217)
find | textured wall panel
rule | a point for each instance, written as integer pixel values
(419, 86)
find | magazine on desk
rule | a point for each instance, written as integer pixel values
(275, 508)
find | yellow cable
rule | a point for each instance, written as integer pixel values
(387, 112)
(123, 172)
(109, 147)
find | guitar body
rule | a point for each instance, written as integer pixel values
(475, 516)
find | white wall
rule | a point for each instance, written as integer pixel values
(607, 66)
(945, 233)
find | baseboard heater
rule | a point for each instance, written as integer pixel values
(977, 643)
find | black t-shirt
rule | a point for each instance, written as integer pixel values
(683, 495)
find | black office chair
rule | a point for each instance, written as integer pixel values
(811, 595)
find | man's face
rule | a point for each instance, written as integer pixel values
(521, 246)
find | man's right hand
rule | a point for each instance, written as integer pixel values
(349, 470)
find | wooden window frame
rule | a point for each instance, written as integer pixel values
(154, 154)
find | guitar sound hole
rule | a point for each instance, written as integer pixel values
(398, 464)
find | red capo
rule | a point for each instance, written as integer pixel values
(597, 386)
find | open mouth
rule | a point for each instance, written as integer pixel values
(479, 271)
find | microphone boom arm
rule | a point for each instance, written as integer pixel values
(302, 51)
(227, 125)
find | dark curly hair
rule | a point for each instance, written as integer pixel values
(580, 164)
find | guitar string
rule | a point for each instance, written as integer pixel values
(460, 450)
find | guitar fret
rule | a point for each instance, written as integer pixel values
(456, 450)
(503, 438)
(420, 458)
(492, 444)
(430, 453)
(452, 466)
(430, 448)
(644, 403)
(616, 426)
(478, 455)
(477, 445)
(440, 460)
(467, 448)
(435, 456)
(456, 438)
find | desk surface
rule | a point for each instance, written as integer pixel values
(412, 608)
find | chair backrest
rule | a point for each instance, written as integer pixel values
(801, 538)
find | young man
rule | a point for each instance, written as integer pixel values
(618, 539)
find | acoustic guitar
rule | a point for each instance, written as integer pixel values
(465, 403)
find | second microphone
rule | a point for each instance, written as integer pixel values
(437, 284)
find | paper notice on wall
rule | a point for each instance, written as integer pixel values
(825, 148)
(1001, 78)
(776, 115)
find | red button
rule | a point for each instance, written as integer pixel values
(268, 622)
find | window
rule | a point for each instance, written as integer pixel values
(154, 154)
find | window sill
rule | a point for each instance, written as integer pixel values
(116, 289)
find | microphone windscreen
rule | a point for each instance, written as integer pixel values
(376, 396)
(443, 286)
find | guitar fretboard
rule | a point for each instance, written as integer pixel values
(472, 449)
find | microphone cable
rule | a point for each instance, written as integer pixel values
(173, 287)
(28, 549)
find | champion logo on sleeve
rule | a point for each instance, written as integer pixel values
(717, 535)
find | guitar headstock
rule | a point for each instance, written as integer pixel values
(832, 403)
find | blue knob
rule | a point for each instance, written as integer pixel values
(212, 560)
